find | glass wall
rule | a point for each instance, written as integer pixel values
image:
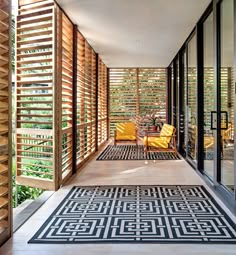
(185, 80)
(209, 94)
(205, 74)
(227, 93)
(192, 99)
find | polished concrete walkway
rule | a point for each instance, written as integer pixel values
(114, 173)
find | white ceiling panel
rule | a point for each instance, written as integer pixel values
(135, 33)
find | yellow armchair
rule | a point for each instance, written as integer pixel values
(165, 141)
(126, 132)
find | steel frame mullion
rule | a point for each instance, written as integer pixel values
(200, 98)
(217, 78)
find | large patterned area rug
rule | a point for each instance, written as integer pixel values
(137, 214)
(133, 152)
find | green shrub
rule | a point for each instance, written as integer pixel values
(23, 192)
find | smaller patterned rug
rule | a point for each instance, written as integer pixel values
(137, 214)
(134, 152)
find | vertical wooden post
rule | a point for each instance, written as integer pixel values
(82, 100)
(74, 125)
(96, 117)
(108, 103)
(17, 105)
(137, 92)
(57, 77)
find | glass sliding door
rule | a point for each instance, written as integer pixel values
(177, 102)
(192, 100)
(209, 95)
(182, 102)
(227, 93)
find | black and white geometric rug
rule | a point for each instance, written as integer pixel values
(133, 152)
(137, 214)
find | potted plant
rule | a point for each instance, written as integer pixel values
(153, 120)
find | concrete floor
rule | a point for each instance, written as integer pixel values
(115, 173)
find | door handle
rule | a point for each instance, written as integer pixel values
(213, 120)
(223, 119)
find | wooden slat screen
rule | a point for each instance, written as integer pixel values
(86, 99)
(192, 112)
(44, 86)
(227, 93)
(80, 97)
(123, 96)
(153, 92)
(66, 90)
(192, 93)
(136, 93)
(231, 94)
(34, 94)
(208, 96)
(5, 120)
(102, 102)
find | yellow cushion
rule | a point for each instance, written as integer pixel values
(208, 142)
(126, 137)
(167, 130)
(158, 142)
(227, 134)
(123, 129)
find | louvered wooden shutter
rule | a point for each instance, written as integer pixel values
(5, 121)
(123, 96)
(44, 95)
(86, 100)
(66, 98)
(102, 102)
(35, 94)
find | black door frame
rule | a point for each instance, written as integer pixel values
(215, 7)
(217, 76)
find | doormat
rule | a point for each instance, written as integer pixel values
(134, 152)
(137, 214)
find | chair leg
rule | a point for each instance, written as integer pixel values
(145, 150)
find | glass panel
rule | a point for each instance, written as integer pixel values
(208, 89)
(172, 96)
(192, 99)
(227, 93)
(177, 102)
(185, 101)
